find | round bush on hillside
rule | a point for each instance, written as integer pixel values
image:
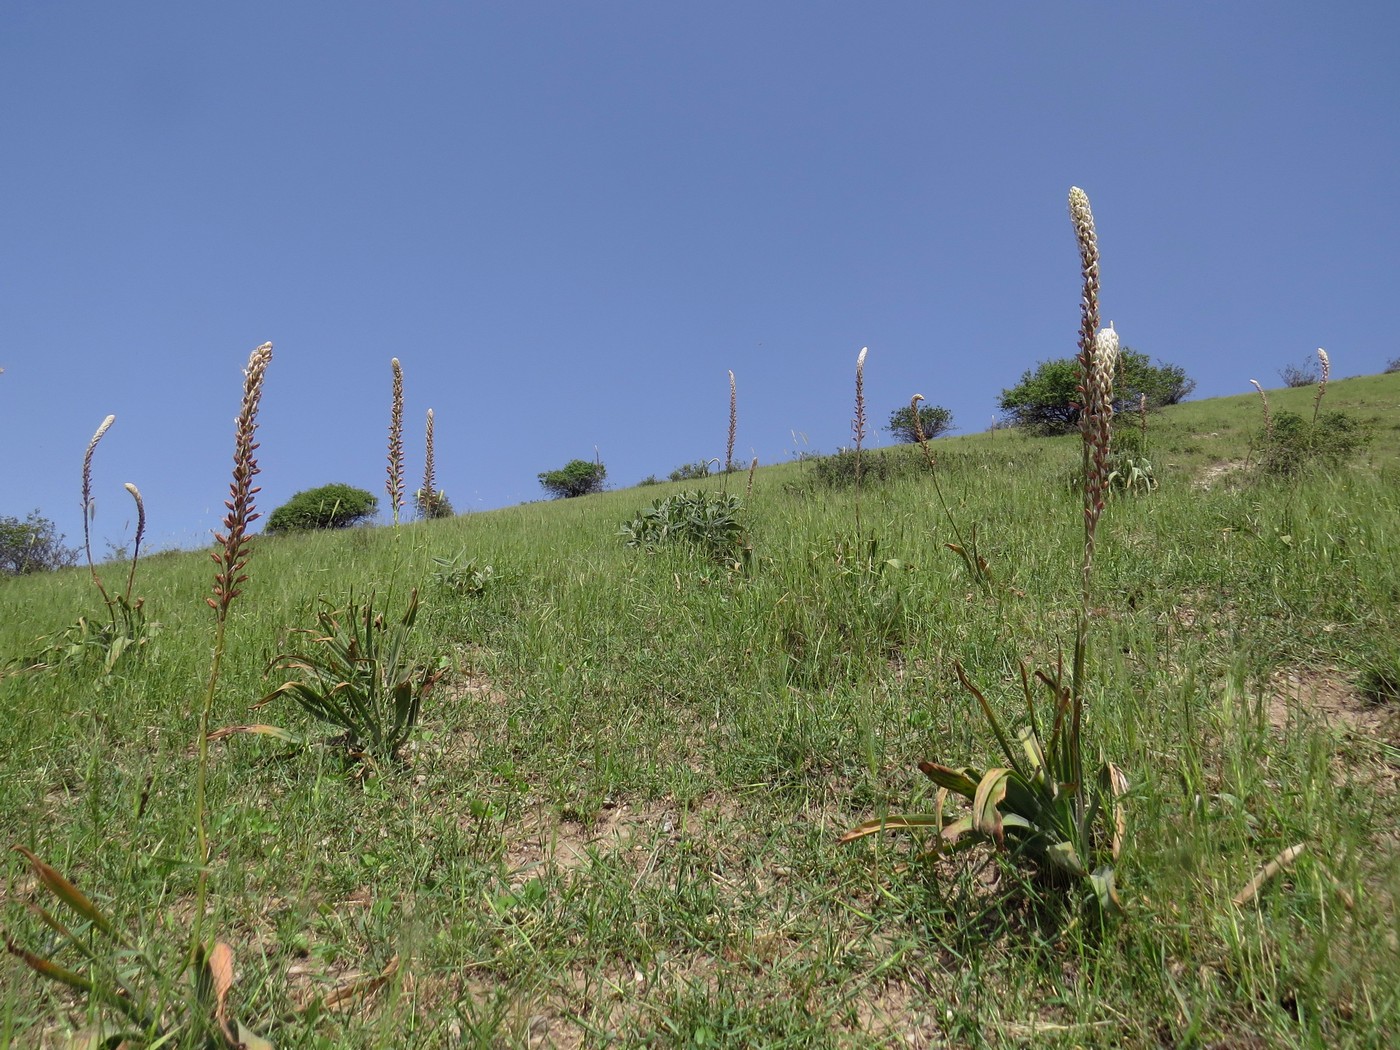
(328, 507)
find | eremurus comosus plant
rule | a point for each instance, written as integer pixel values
(1041, 805)
(138, 996)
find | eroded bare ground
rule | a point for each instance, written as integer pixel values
(1329, 697)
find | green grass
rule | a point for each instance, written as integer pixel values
(618, 820)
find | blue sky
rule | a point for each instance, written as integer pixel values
(569, 220)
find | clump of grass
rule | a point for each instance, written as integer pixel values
(395, 482)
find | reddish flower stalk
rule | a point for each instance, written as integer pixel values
(232, 555)
(733, 424)
(395, 485)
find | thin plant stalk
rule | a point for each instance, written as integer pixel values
(231, 558)
(1268, 419)
(395, 483)
(140, 534)
(748, 489)
(968, 552)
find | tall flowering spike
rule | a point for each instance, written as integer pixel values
(1083, 219)
(733, 423)
(232, 555)
(1097, 418)
(140, 533)
(1326, 364)
(427, 496)
(89, 508)
(395, 485)
(919, 431)
(1268, 421)
(858, 423)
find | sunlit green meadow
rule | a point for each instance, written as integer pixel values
(617, 821)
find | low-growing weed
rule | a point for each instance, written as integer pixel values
(708, 522)
(356, 673)
(464, 575)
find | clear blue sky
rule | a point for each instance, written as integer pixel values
(569, 220)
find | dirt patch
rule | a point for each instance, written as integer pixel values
(1218, 473)
(1327, 695)
(637, 830)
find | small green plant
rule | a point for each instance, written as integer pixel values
(463, 575)
(1038, 806)
(334, 506)
(578, 477)
(357, 674)
(704, 521)
(125, 630)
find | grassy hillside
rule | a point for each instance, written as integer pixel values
(617, 821)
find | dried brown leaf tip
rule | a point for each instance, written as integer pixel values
(232, 555)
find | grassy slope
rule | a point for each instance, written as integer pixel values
(620, 816)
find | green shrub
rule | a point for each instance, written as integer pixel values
(328, 507)
(1297, 444)
(933, 420)
(839, 470)
(578, 477)
(1047, 399)
(691, 471)
(32, 545)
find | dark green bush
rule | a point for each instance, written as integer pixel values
(933, 419)
(578, 477)
(1046, 400)
(328, 507)
(32, 545)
